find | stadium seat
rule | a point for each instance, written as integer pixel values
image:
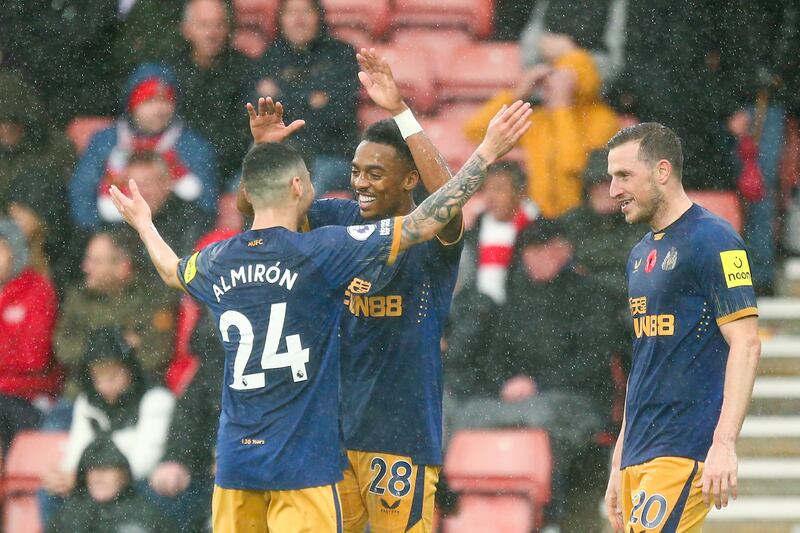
(32, 454)
(446, 134)
(414, 75)
(477, 71)
(475, 15)
(438, 44)
(722, 203)
(491, 513)
(501, 461)
(257, 14)
(249, 41)
(370, 15)
(358, 38)
(81, 129)
(21, 515)
(369, 113)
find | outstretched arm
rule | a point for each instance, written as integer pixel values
(376, 77)
(432, 215)
(137, 213)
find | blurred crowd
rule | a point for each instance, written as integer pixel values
(91, 344)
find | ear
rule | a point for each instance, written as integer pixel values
(410, 180)
(296, 187)
(663, 171)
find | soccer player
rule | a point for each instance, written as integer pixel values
(278, 292)
(695, 347)
(391, 361)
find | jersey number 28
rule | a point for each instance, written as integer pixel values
(295, 357)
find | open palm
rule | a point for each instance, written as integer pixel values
(376, 77)
(266, 123)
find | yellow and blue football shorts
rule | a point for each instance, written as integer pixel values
(660, 495)
(312, 510)
(389, 491)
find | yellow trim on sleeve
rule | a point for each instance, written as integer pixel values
(398, 229)
(458, 239)
(741, 313)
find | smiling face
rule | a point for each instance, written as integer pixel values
(633, 184)
(382, 181)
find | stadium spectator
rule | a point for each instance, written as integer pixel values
(62, 49)
(185, 473)
(570, 122)
(114, 294)
(597, 26)
(26, 141)
(551, 371)
(211, 78)
(149, 123)
(115, 397)
(29, 377)
(106, 499)
(315, 77)
(601, 237)
(41, 214)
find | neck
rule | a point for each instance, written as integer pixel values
(276, 217)
(673, 207)
(201, 59)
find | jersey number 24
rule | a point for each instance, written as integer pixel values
(295, 356)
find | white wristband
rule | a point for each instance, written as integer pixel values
(407, 123)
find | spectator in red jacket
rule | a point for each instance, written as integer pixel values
(29, 377)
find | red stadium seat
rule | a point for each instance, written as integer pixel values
(251, 42)
(31, 455)
(475, 15)
(722, 203)
(477, 71)
(447, 135)
(501, 461)
(490, 513)
(370, 15)
(358, 38)
(257, 14)
(369, 113)
(81, 129)
(438, 44)
(414, 75)
(21, 515)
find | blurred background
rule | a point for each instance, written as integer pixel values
(102, 371)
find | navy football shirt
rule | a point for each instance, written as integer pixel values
(276, 297)
(683, 283)
(391, 356)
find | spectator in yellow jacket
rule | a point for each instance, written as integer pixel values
(569, 123)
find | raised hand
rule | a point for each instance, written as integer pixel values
(376, 77)
(134, 210)
(505, 130)
(266, 123)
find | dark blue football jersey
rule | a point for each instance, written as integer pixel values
(276, 296)
(391, 355)
(683, 283)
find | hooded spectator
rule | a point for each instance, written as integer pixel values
(212, 81)
(27, 141)
(316, 78)
(570, 122)
(105, 499)
(28, 306)
(115, 398)
(148, 123)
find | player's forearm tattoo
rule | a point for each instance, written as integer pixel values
(440, 207)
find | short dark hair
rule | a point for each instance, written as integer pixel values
(656, 142)
(519, 180)
(267, 169)
(386, 132)
(124, 241)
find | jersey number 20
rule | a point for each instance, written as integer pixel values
(295, 357)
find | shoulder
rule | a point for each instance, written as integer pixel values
(192, 139)
(710, 232)
(328, 211)
(341, 47)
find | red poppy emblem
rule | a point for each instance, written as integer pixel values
(651, 261)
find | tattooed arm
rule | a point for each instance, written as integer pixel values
(432, 215)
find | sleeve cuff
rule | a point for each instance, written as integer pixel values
(741, 313)
(457, 240)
